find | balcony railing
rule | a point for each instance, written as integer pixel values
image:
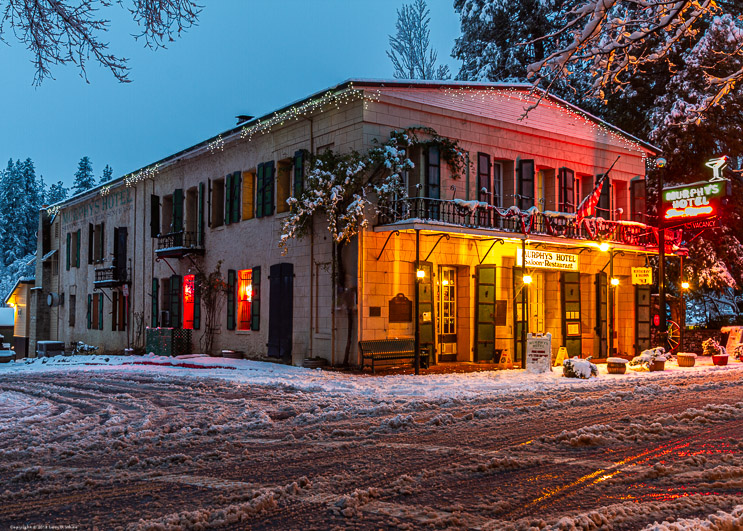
(479, 215)
(176, 244)
(110, 276)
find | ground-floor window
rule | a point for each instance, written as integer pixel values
(244, 298)
(189, 297)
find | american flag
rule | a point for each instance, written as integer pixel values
(587, 207)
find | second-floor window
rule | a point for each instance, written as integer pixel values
(526, 187)
(96, 243)
(603, 208)
(637, 200)
(217, 203)
(264, 193)
(566, 189)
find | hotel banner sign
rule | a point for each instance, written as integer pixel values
(548, 260)
(692, 202)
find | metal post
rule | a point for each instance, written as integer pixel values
(417, 302)
(524, 305)
(612, 287)
(662, 264)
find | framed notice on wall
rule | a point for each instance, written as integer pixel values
(573, 329)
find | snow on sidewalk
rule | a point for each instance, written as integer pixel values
(459, 385)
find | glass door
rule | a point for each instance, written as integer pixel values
(448, 312)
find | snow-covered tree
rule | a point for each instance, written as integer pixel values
(84, 178)
(108, 174)
(409, 48)
(621, 39)
(56, 193)
(60, 32)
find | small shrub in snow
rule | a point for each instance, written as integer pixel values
(710, 347)
(647, 357)
(579, 368)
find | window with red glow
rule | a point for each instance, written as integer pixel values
(244, 298)
(188, 301)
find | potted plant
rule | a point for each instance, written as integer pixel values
(653, 359)
(712, 348)
(686, 359)
(616, 365)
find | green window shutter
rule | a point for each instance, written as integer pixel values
(298, 173)
(176, 283)
(155, 308)
(231, 285)
(69, 249)
(255, 305)
(200, 222)
(91, 239)
(259, 192)
(177, 210)
(269, 178)
(103, 242)
(90, 312)
(154, 216)
(235, 208)
(100, 311)
(228, 199)
(114, 309)
(196, 307)
(77, 248)
(526, 185)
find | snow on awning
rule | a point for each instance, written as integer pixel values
(48, 255)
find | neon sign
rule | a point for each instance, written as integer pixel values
(690, 202)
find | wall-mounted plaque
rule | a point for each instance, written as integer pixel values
(401, 309)
(375, 311)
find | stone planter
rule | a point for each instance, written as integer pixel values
(657, 366)
(686, 359)
(721, 359)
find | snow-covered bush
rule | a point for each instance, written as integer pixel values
(647, 357)
(579, 368)
(710, 347)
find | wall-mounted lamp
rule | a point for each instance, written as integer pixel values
(614, 282)
(685, 285)
(420, 273)
(603, 247)
(527, 279)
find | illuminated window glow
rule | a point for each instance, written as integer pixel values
(244, 298)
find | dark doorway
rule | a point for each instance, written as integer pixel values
(281, 311)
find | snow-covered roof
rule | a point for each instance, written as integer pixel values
(21, 280)
(412, 85)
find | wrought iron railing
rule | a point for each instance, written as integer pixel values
(177, 240)
(480, 215)
(110, 275)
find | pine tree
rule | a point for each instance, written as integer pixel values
(28, 215)
(108, 173)
(84, 178)
(56, 193)
(12, 202)
(409, 48)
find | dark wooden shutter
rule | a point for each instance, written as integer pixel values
(120, 253)
(155, 302)
(298, 173)
(483, 178)
(260, 186)
(526, 184)
(637, 200)
(123, 307)
(100, 311)
(176, 283)
(603, 208)
(566, 188)
(255, 305)
(200, 220)
(90, 312)
(433, 173)
(115, 262)
(601, 313)
(77, 247)
(228, 199)
(102, 236)
(114, 310)
(178, 210)
(196, 306)
(91, 239)
(269, 180)
(231, 286)
(69, 249)
(235, 208)
(280, 311)
(209, 203)
(485, 297)
(154, 215)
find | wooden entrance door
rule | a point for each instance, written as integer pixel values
(447, 315)
(281, 311)
(571, 312)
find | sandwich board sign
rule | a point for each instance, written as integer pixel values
(538, 353)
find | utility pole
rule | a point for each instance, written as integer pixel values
(661, 163)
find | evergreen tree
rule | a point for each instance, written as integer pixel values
(28, 215)
(409, 48)
(84, 178)
(108, 174)
(56, 193)
(11, 200)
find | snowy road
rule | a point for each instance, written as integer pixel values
(150, 447)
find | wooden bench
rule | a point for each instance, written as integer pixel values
(386, 349)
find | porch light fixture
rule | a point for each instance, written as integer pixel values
(684, 285)
(615, 282)
(603, 247)
(420, 273)
(527, 279)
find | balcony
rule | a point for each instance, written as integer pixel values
(178, 244)
(477, 215)
(110, 277)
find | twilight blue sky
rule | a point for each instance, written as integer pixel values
(244, 57)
